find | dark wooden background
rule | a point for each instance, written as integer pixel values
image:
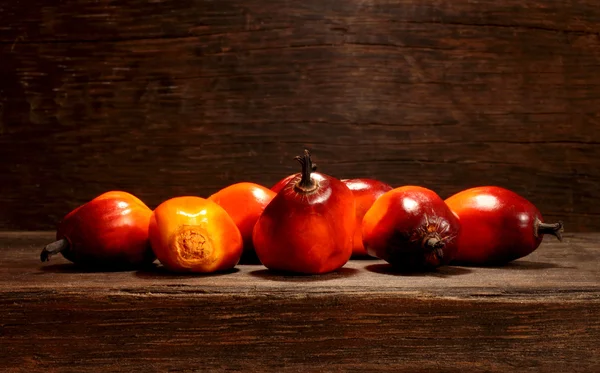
(165, 98)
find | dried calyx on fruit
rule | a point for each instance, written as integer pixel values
(193, 234)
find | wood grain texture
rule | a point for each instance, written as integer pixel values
(167, 98)
(539, 314)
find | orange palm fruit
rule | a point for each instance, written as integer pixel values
(193, 234)
(244, 202)
(366, 192)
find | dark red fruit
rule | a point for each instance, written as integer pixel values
(411, 228)
(498, 226)
(308, 226)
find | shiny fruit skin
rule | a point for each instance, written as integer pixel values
(308, 233)
(411, 228)
(109, 231)
(193, 234)
(283, 182)
(499, 225)
(244, 202)
(366, 192)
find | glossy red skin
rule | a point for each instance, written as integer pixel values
(366, 192)
(109, 231)
(307, 233)
(398, 222)
(283, 182)
(498, 226)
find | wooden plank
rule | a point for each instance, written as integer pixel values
(538, 314)
(121, 332)
(555, 272)
(190, 96)
(92, 20)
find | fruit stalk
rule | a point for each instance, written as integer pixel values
(432, 243)
(435, 246)
(554, 229)
(53, 249)
(306, 183)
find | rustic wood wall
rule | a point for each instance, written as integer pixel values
(164, 98)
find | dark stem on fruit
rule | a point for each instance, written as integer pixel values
(306, 183)
(53, 249)
(554, 229)
(434, 244)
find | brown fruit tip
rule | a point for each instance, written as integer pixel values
(53, 249)
(555, 229)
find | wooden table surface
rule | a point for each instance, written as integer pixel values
(540, 313)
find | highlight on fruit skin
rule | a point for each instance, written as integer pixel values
(108, 232)
(244, 202)
(411, 228)
(499, 226)
(193, 234)
(308, 226)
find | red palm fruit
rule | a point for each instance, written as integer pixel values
(308, 226)
(498, 226)
(411, 228)
(111, 230)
